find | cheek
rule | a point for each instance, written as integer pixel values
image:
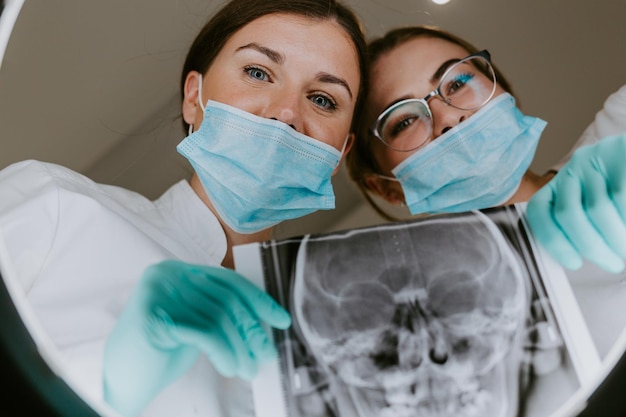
(331, 132)
(222, 87)
(239, 99)
(333, 137)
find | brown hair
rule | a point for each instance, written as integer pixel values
(360, 161)
(238, 13)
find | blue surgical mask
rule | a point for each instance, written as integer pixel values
(258, 172)
(477, 164)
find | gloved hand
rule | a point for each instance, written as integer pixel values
(581, 212)
(177, 312)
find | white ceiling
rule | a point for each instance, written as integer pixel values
(93, 85)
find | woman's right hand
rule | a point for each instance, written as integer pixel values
(177, 312)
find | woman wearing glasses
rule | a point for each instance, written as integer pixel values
(442, 133)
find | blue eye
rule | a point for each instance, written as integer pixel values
(323, 101)
(257, 73)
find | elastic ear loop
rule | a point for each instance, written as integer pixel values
(343, 148)
(200, 101)
(394, 179)
(385, 177)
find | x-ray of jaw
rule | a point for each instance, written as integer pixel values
(425, 321)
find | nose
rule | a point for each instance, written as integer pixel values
(445, 117)
(286, 108)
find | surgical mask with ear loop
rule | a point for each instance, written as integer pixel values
(477, 164)
(258, 172)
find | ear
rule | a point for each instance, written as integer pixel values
(349, 143)
(190, 97)
(391, 191)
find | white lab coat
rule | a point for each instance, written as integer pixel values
(80, 248)
(609, 121)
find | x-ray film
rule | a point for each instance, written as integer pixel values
(451, 315)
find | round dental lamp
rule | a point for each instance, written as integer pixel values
(32, 384)
(33, 381)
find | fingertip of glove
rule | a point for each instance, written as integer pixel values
(285, 321)
(614, 267)
(281, 319)
(572, 264)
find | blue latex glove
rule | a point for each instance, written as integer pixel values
(581, 212)
(177, 312)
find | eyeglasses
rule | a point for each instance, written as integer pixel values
(466, 85)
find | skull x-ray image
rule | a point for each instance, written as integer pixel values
(433, 318)
(416, 320)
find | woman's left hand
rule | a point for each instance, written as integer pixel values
(581, 212)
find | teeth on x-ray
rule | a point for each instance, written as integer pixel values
(413, 332)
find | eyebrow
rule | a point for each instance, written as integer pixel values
(442, 68)
(273, 55)
(333, 79)
(279, 58)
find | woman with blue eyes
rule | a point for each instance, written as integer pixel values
(441, 133)
(140, 296)
(268, 126)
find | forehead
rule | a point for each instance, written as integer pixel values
(407, 70)
(318, 45)
(420, 56)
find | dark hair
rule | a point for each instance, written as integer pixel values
(360, 161)
(238, 13)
